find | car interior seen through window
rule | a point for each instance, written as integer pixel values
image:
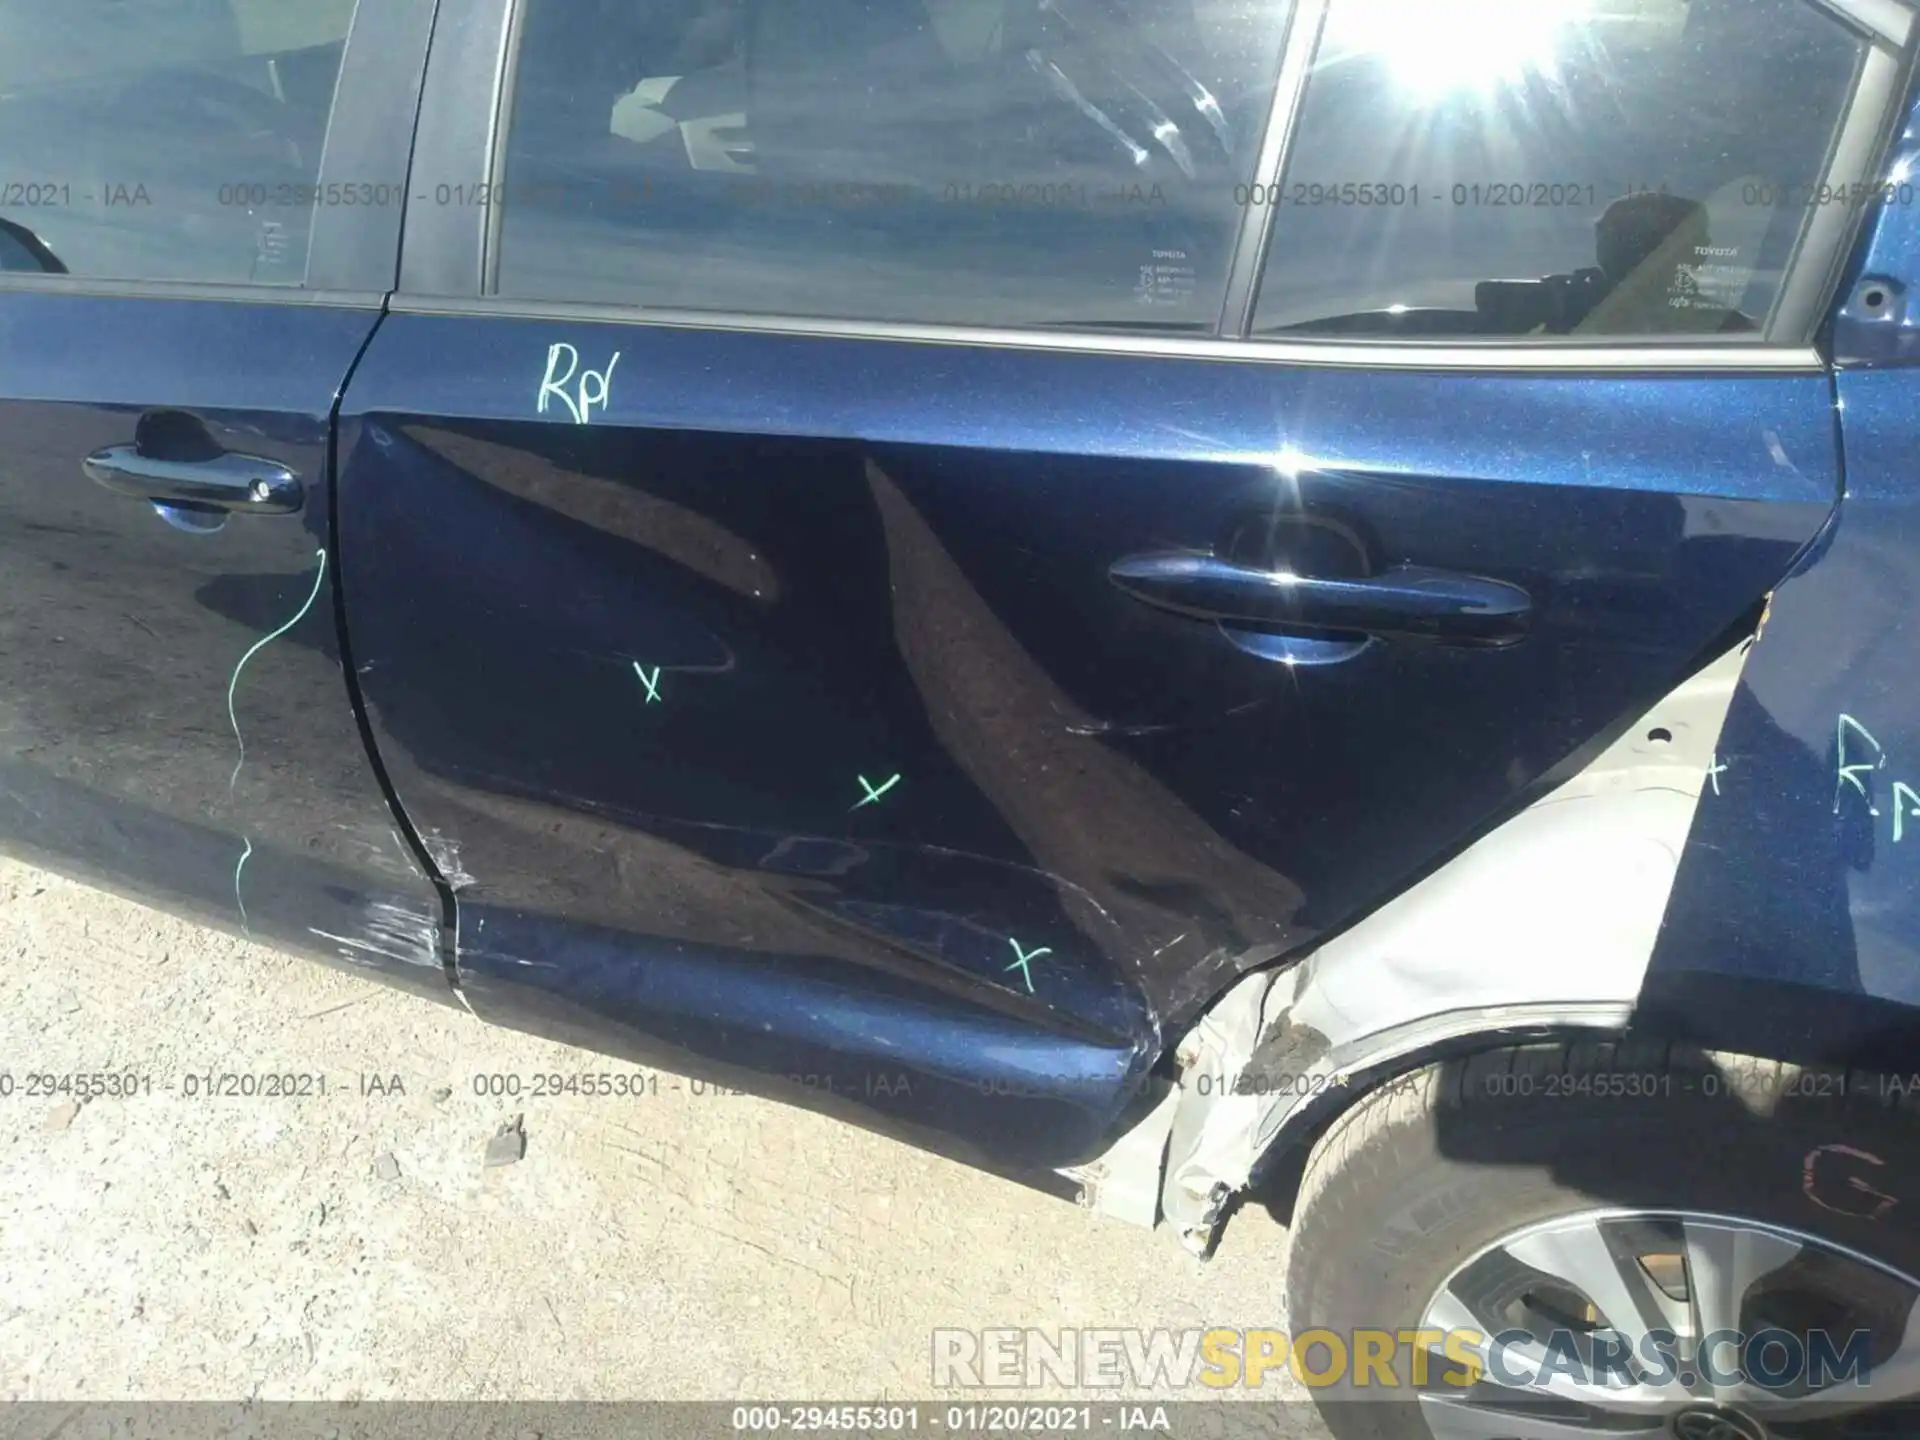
(1581, 169)
(166, 139)
(980, 162)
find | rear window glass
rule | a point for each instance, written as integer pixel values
(977, 162)
(1554, 168)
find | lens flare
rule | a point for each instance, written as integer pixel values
(1438, 46)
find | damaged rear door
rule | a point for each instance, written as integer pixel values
(896, 550)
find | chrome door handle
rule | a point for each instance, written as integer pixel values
(243, 484)
(1406, 602)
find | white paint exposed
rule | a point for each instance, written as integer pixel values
(1551, 917)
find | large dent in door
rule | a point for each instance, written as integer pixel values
(1547, 923)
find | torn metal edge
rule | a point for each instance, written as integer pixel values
(1583, 874)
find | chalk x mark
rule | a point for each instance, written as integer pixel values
(652, 682)
(233, 684)
(1027, 957)
(873, 795)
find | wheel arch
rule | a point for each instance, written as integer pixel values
(1543, 928)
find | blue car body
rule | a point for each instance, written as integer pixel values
(836, 711)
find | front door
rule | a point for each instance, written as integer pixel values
(183, 296)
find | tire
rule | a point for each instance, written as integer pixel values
(1429, 1171)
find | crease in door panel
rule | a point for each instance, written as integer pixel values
(422, 854)
(1161, 870)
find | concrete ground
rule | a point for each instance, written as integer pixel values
(355, 1246)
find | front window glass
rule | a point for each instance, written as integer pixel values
(167, 139)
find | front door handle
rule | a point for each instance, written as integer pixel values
(244, 484)
(1407, 602)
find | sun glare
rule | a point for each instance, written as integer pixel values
(1438, 46)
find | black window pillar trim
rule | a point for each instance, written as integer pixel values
(355, 246)
(451, 201)
(1297, 51)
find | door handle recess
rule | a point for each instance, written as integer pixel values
(244, 484)
(1407, 602)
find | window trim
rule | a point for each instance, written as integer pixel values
(370, 132)
(494, 216)
(350, 263)
(449, 254)
(1682, 355)
(100, 287)
(1297, 48)
(1889, 20)
(1861, 151)
(462, 116)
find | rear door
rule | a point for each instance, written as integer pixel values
(896, 549)
(199, 217)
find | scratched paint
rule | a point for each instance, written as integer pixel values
(392, 933)
(233, 684)
(652, 682)
(445, 855)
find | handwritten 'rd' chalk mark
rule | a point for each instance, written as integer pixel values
(1027, 957)
(594, 388)
(319, 576)
(1906, 800)
(873, 795)
(652, 682)
(1850, 774)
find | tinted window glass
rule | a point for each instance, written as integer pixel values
(1554, 168)
(982, 162)
(165, 139)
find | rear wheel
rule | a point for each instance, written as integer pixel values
(1615, 1240)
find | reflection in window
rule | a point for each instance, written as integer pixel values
(1554, 168)
(985, 162)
